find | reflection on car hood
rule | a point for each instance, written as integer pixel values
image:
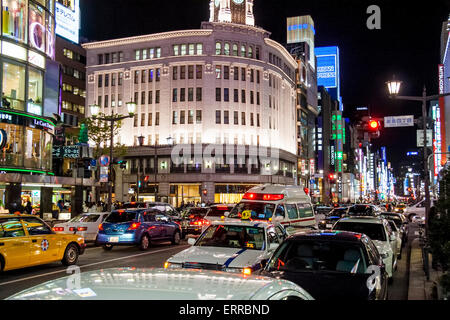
(230, 257)
(382, 246)
(158, 284)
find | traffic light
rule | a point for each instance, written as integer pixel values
(374, 125)
(122, 163)
(205, 192)
(332, 177)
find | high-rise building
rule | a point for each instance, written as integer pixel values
(224, 93)
(444, 87)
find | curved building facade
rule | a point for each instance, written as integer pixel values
(215, 105)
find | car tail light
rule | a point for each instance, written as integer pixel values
(265, 197)
(100, 227)
(82, 228)
(249, 196)
(58, 228)
(247, 271)
(71, 229)
(134, 226)
(206, 222)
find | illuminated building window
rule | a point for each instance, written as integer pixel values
(144, 54)
(218, 48)
(174, 95)
(218, 72)
(120, 78)
(152, 53)
(113, 100)
(175, 117)
(227, 49)
(176, 49)
(191, 49)
(243, 50)
(144, 76)
(119, 100)
(183, 49)
(150, 119)
(235, 50)
(199, 116)
(158, 52)
(191, 117)
(158, 75)
(250, 52)
(137, 54)
(199, 48)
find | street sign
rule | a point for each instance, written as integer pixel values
(104, 161)
(72, 152)
(420, 138)
(103, 174)
(400, 121)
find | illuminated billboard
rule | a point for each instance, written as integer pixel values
(68, 20)
(301, 29)
(327, 67)
(328, 71)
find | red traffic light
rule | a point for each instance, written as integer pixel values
(374, 125)
(205, 192)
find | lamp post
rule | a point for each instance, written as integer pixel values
(394, 89)
(112, 119)
(141, 143)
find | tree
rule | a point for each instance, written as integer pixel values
(100, 135)
(83, 135)
(439, 230)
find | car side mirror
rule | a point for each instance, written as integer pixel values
(273, 246)
(191, 241)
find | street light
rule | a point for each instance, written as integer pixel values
(394, 90)
(95, 110)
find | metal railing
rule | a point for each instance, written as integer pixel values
(423, 241)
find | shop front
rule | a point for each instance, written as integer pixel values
(230, 193)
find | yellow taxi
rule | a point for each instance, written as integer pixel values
(26, 241)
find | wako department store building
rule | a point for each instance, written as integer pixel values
(223, 90)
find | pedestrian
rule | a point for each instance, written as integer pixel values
(55, 211)
(28, 207)
(60, 205)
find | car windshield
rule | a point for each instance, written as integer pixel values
(318, 256)
(361, 209)
(259, 210)
(85, 218)
(374, 231)
(337, 212)
(132, 205)
(121, 216)
(227, 236)
(218, 211)
(195, 212)
(401, 206)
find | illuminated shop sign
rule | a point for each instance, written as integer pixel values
(13, 50)
(3, 138)
(43, 124)
(327, 67)
(68, 21)
(36, 59)
(34, 108)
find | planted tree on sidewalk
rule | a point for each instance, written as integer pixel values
(439, 230)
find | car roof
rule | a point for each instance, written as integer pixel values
(161, 284)
(8, 215)
(288, 191)
(370, 219)
(334, 235)
(246, 223)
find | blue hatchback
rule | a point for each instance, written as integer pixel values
(137, 227)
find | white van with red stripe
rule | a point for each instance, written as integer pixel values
(288, 205)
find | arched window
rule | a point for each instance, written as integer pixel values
(235, 50)
(227, 49)
(243, 50)
(250, 52)
(218, 48)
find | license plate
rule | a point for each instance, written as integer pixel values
(114, 239)
(329, 225)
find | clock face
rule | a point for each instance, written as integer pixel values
(217, 2)
(238, 1)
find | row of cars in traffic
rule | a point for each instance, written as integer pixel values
(271, 239)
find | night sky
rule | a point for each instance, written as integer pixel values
(408, 44)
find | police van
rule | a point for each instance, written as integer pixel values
(287, 205)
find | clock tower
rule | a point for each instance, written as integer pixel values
(232, 11)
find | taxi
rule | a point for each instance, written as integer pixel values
(26, 241)
(232, 246)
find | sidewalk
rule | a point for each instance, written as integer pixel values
(419, 287)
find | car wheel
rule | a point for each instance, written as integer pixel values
(176, 238)
(145, 243)
(107, 247)
(70, 255)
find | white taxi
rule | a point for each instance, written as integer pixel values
(232, 246)
(85, 225)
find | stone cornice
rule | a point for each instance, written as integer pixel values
(146, 38)
(283, 51)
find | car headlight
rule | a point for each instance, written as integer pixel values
(170, 265)
(246, 271)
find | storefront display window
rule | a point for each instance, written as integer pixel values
(35, 83)
(32, 148)
(12, 154)
(13, 86)
(36, 27)
(14, 16)
(47, 149)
